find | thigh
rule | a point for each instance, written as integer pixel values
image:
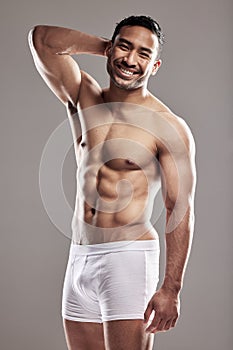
(127, 334)
(128, 280)
(122, 288)
(84, 335)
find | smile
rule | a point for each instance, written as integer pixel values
(124, 72)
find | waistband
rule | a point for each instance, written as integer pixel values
(118, 246)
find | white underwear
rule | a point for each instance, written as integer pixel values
(110, 281)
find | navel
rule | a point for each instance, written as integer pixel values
(129, 161)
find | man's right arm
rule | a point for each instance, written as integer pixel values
(52, 48)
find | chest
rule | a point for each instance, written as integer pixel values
(128, 146)
(120, 139)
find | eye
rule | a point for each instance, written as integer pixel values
(144, 54)
(123, 46)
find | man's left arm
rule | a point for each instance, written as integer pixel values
(178, 179)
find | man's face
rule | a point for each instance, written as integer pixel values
(132, 57)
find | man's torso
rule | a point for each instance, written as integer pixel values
(118, 175)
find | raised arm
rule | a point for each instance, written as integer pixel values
(178, 178)
(52, 48)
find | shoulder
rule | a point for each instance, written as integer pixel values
(170, 121)
(184, 131)
(88, 82)
(176, 132)
(90, 91)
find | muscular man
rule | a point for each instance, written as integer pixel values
(127, 144)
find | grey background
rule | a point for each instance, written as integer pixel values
(195, 81)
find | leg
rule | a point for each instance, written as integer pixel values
(80, 308)
(127, 334)
(129, 279)
(84, 335)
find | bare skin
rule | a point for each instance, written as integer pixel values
(122, 154)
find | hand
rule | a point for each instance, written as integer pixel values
(167, 308)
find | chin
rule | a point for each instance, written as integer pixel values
(125, 84)
(121, 83)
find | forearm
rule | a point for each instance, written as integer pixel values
(178, 245)
(66, 41)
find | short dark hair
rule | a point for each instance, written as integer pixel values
(142, 21)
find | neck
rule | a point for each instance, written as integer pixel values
(138, 96)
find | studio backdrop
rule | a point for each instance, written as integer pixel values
(195, 81)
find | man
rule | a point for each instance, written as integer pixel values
(126, 141)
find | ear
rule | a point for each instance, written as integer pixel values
(108, 49)
(156, 66)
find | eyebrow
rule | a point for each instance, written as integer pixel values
(122, 40)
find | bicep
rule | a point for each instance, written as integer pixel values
(60, 72)
(178, 172)
(177, 178)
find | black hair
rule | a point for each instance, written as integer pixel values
(142, 21)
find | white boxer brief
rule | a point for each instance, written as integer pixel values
(110, 281)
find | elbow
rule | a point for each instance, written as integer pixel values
(36, 37)
(180, 209)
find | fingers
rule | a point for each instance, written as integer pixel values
(166, 312)
(174, 322)
(154, 326)
(160, 325)
(157, 324)
(148, 312)
(168, 325)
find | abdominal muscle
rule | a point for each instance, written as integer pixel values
(116, 205)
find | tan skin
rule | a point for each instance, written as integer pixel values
(131, 61)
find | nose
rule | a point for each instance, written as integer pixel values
(131, 58)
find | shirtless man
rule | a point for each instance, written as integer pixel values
(127, 144)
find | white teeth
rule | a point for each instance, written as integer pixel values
(126, 71)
